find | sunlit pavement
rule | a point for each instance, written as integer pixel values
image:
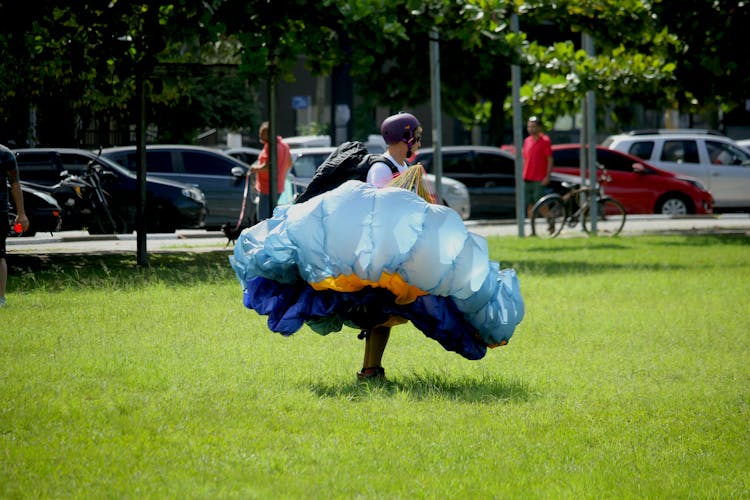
(200, 240)
(634, 225)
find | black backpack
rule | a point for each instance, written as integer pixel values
(350, 161)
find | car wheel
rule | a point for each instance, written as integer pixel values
(674, 205)
(101, 224)
(163, 217)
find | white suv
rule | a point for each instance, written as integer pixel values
(714, 159)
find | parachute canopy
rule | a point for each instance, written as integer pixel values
(362, 256)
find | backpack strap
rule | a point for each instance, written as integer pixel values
(372, 159)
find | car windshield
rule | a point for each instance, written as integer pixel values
(305, 165)
(112, 166)
(77, 162)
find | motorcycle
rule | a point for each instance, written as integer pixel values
(84, 201)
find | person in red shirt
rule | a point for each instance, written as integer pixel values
(261, 171)
(537, 163)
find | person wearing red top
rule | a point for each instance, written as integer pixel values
(261, 171)
(537, 163)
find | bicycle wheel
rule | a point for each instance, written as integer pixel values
(610, 217)
(548, 216)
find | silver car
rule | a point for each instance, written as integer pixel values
(719, 163)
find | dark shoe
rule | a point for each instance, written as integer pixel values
(373, 373)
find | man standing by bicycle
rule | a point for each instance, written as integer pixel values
(537, 163)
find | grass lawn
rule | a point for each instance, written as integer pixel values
(628, 378)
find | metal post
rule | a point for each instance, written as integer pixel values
(515, 72)
(588, 44)
(273, 154)
(437, 127)
(583, 157)
(140, 212)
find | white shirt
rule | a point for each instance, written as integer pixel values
(380, 173)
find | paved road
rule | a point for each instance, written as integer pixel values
(199, 240)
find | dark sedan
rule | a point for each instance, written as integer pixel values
(221, 177)
(487, 172)
(170, 205)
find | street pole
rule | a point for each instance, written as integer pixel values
(140, 213)
(588, 46)
(273, 171)
(515, 73)
(437, 126)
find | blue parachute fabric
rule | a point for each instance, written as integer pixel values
(322, 259)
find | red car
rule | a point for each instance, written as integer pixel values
(642, 188)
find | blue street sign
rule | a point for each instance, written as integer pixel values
(300, 101)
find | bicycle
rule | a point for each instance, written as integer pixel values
(552, 212)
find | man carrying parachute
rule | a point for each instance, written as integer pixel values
(374, 254)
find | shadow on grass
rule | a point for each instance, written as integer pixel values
(562, 247)
(705, 240)
(431, 387)
(544, 267)
(59, 271)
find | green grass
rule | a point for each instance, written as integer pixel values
(628, 378)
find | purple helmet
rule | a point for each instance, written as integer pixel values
(401, 127)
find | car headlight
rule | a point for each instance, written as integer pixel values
(694, 182)
(194, 194)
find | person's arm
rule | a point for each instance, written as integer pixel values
(17, 194)
(257, 167)
(262, 162)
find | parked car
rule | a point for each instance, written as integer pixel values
(487, 172)
(745, 143)
(716, 160)
(220, 176)
(170, 205)
(305, 162)
(640, 187)
(42, 210)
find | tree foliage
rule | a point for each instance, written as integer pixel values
(205, 60)
(712, 58)
(629, 62)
